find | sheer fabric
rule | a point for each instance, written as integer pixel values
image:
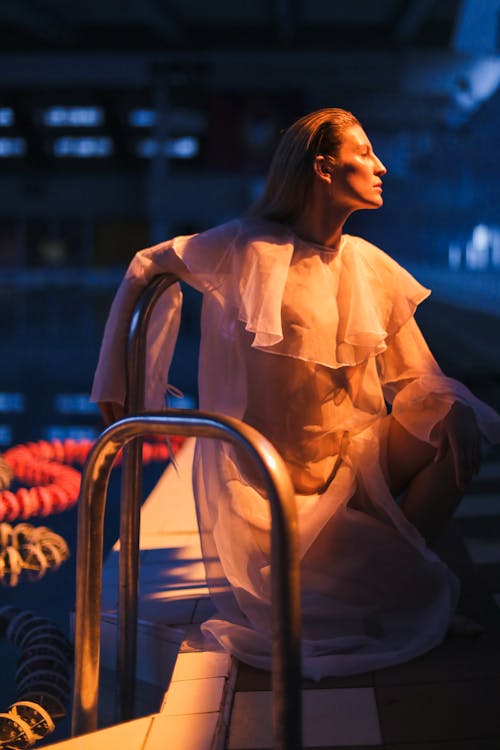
(306, 344)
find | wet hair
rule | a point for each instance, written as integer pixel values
(291, 173)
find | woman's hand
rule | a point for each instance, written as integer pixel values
(460, 434)
(111, 411)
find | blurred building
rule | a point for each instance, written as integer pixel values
(122, 124)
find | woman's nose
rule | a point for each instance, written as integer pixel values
(380, 168)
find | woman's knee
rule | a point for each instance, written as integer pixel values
(407, 456)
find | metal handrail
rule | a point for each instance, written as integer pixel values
(130, 496)
(285, 594)
(284, 547)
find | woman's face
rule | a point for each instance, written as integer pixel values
(357, 174)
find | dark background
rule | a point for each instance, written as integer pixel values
(88, 90)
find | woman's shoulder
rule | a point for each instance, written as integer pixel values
(255, 230)
(240, 231)
(379, 260)
(220, 232)
(368, 249)
(390, 286)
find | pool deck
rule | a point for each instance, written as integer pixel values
(447, 699)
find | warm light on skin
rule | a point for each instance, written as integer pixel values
(356, 174)
(343, 184)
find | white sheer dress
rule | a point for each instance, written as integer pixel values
(306, 344)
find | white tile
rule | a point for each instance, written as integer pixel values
(148, 697)
(130, 735)
(112, 561)
(195, 640)
(184, 546)
(109, 597)
(108, 644)
(160, 581)
(180, 574)
(156, 661)
(340, 716)
(193, 545)
(194, 696)
(475, 506)
(193, 732)
(159, 630)
(156, 540)
(229, 692)
(195, 665)
(170, 506)
(167, 612)
(110, 576)
(483, 551)
(182, 563)
(157, 649)
(205, 608)
(251, 721)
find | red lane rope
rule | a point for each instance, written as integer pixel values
(54, 483)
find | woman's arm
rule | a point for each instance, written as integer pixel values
(459, 433)
(201, 260)
(436, 409)
(109, 387)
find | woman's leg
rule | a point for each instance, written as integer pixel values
(432, 494)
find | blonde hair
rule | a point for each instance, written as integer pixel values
(290, 175)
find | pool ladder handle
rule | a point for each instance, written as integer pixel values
(285, 584)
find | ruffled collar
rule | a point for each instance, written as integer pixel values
(304, 300)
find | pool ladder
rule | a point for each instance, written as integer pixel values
(127, 434)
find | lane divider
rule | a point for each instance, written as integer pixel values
(29, 550)
(53, 482)
(43, 685)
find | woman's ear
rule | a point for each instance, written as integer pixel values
(323, 168)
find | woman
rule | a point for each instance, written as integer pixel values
(307, 332)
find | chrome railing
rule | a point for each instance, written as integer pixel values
(130, 499)
(285, 587)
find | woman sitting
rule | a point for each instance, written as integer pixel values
(307, 334)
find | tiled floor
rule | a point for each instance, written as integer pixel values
(171, 575)
(330, 716)
(448, 699)
(447, 696)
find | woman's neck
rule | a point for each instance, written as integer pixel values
(321, 227)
